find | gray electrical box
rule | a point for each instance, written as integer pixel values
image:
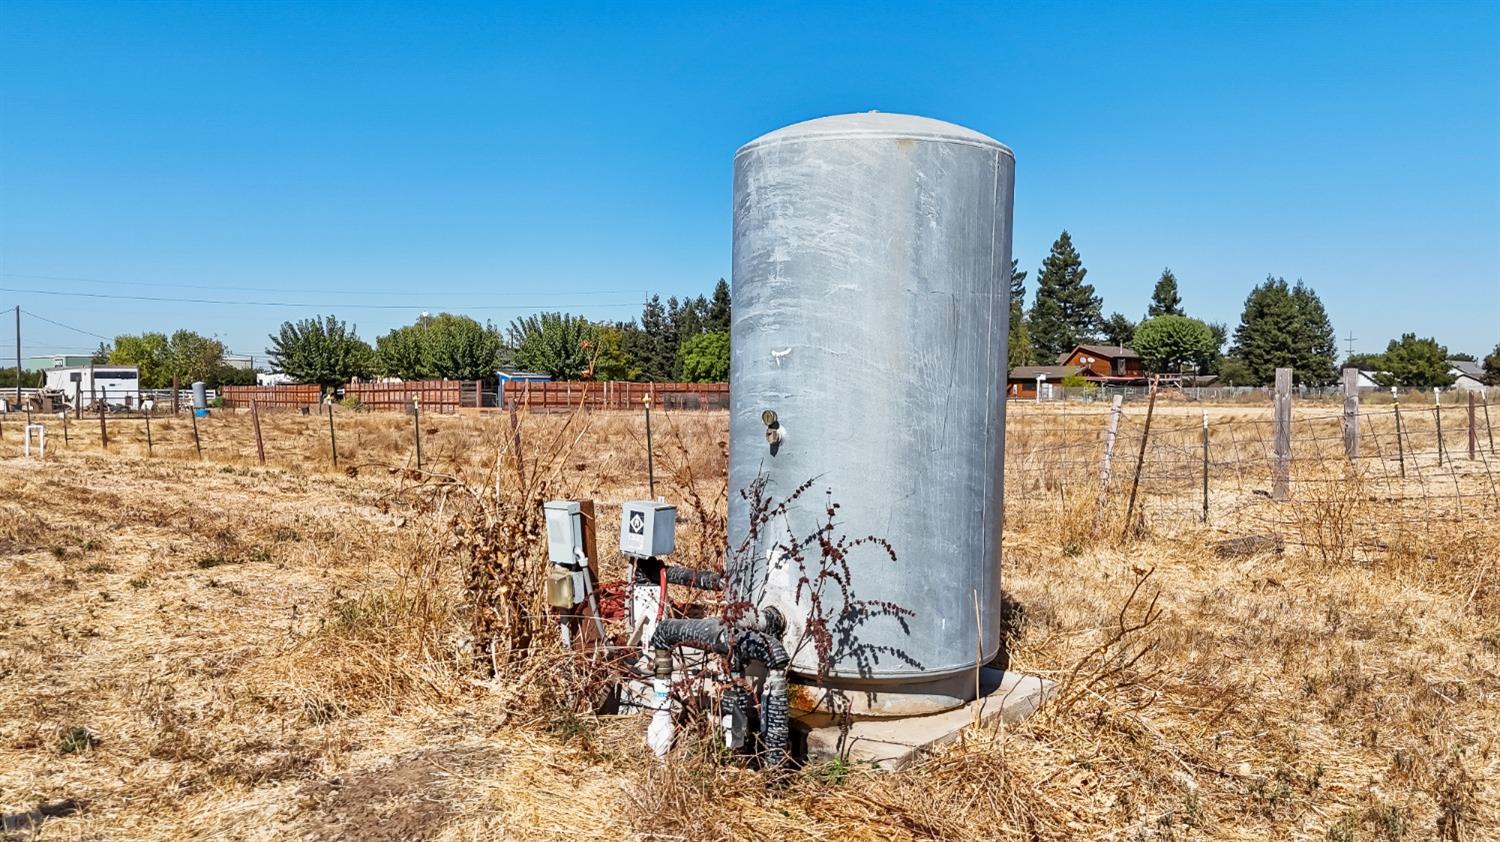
(647, 528)
(564, 531)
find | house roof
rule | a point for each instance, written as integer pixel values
(1053, 372)
(1468, 367)
(1103, 352)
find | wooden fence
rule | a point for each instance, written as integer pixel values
(272, 397)
(615, 395)
(435, 395)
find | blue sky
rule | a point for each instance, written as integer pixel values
(495, 159)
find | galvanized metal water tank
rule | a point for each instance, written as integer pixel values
(871, 304)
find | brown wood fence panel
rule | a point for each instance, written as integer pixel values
(435, 395)
(272, 397)
(615, 395)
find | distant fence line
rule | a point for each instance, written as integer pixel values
(1356, 484)
(452, 395)
(611, 394)
(1256, 394)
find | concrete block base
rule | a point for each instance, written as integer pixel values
(893, 742)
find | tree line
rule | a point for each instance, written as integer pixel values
(1282, 325)
(679, 340)
(183, 357)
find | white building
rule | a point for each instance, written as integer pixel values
(1469, 375)
(116, 385)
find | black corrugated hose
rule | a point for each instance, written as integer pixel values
(710, 634)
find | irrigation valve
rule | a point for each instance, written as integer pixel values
(775, 433)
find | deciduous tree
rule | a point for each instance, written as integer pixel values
(1414, 363)
(147, 352)
(555, 344)
(1174, 343)
(192, 356)
(705, 358)
(459, 348)
(400, 353)
(321, 350)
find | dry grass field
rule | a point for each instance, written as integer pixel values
(214, 649)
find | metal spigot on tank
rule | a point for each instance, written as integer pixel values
(871, 302)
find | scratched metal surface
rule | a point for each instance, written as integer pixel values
(871, 301)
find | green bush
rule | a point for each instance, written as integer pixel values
(1078, 381)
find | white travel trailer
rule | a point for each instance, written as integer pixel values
(115, 385)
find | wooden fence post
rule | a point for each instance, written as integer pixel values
(1205, 466)
(260, 445)
(1351, 414)
(1473, 433)
(1437, 415)
(1110, 433)
(416, 420)
(1400, 446)
(1281, 460)
(333, 443)
(103, 430)
(1488, 430)
(1140, 460)
(150, 451)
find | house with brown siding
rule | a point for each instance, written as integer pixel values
(1114, 364)
(1022, 381)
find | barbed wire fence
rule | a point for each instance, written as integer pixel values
(1351, 483)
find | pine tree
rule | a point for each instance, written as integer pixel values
(1164, 299)
(1284, 326)
(1018, 342)
(1119, 330)
(1315, 338)
(659, 353)
(1066, 311)
(717, 320)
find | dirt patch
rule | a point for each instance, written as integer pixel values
(407, 797)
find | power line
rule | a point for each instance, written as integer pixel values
(300, 304)
(362, 292)
(67, 327)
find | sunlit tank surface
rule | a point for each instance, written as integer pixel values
(871, 302)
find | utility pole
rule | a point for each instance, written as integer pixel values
(18, 355)
(1350, 339)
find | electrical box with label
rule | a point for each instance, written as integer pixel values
(564, 531)
(647, 528)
